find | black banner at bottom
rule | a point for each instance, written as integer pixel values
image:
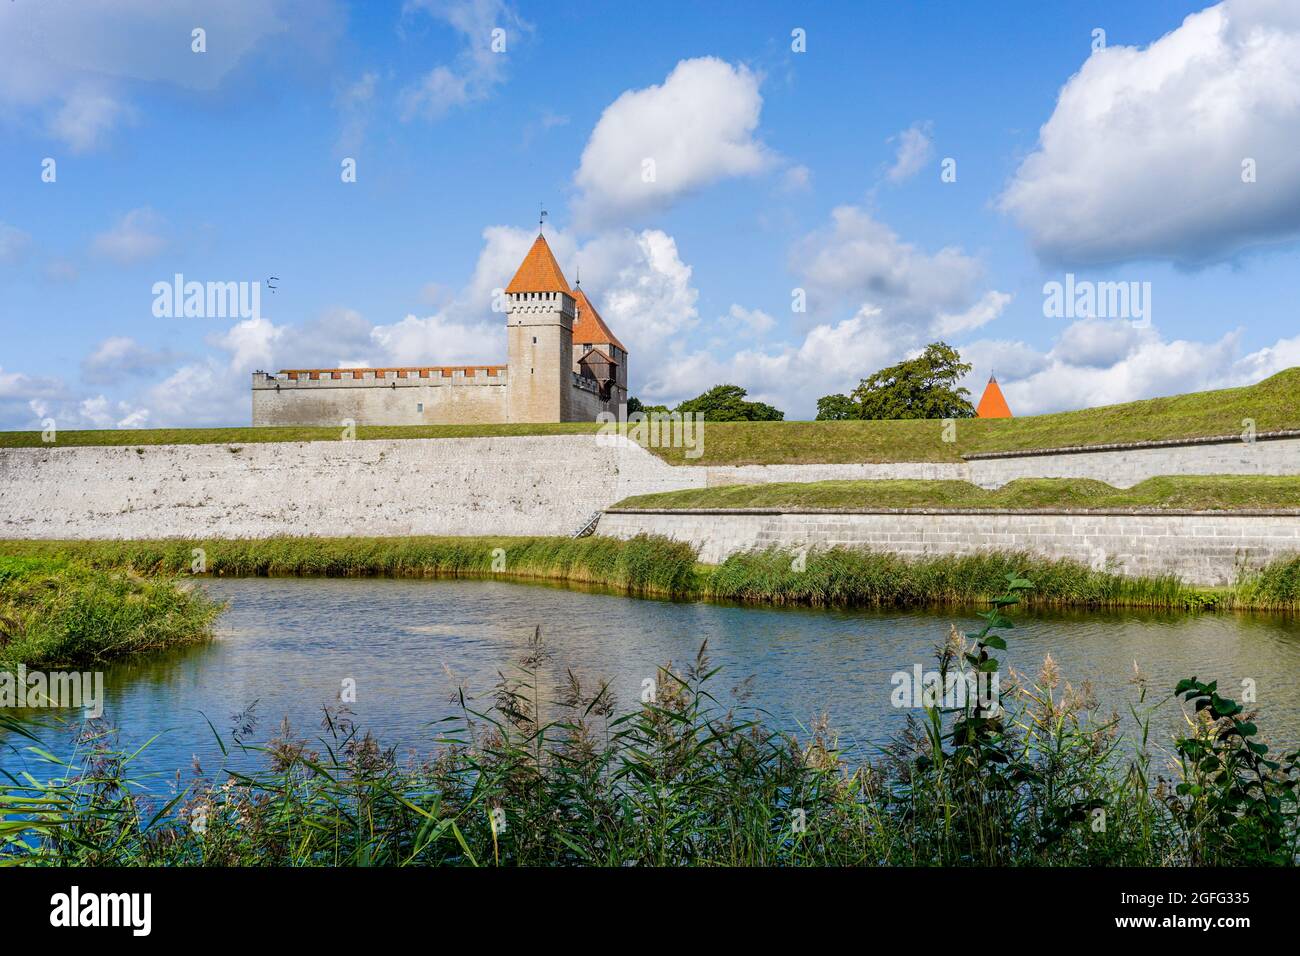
(136, 906)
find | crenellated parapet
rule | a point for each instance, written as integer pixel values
(433, 375)
(540, 304)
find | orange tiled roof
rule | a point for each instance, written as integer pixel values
(539, 271)
(590, 327)
(992, 403)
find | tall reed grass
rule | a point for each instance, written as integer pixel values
(642, 566)
(58, 613)
(844, 576)
(659, 567)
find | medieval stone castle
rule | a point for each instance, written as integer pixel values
(563, 365)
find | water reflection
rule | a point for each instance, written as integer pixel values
(289, 644)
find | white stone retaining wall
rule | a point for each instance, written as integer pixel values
(1201, 548)
(1126, 466)
(538, 485)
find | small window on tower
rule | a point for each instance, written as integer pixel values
(419, 406)
(534, 340)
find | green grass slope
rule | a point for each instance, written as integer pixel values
(1273, 405)
(1184, 493)
(248, 436)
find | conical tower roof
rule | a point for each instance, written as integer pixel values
(539, 272)
(992, 403)
(589, 326)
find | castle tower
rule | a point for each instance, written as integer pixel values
(992, 404)
(539, 320)
(596, 347)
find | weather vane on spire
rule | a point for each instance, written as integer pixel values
(541, 218)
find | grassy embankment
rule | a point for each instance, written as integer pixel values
(287, 433)
(651, 566)
(1183, 493)
(536, 776)
(1271, 404)
(56, 613)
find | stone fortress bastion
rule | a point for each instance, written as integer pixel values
(563, 365)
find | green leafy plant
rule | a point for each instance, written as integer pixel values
(1235, 803)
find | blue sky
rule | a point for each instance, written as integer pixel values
(774, 170)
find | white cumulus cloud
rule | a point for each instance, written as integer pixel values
(832, 357)
(99, 412)
(137, 236)
(74, 65)
(1096, 363)
(654, 145)
(857, 260)
(477, 69)
(118, 357)
(1143, 156)
(752, 321)
(896, 296)
(637, 280)
(915, 147)
(642, 288)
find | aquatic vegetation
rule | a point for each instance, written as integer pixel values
(529, 774)
(850, 576)
(58, 613)
(652, 566)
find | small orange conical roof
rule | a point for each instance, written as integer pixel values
(589, 326)
(992, 403)
(539, 272)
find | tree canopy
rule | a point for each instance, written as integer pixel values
(726, 403)
(920, 387)
(836, 408)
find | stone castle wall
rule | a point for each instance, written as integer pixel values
(584, 400)
(538, 385)
(468, 395)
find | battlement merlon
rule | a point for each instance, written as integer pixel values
(525, 308)
(436, 376)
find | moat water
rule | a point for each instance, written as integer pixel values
(285, 647)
